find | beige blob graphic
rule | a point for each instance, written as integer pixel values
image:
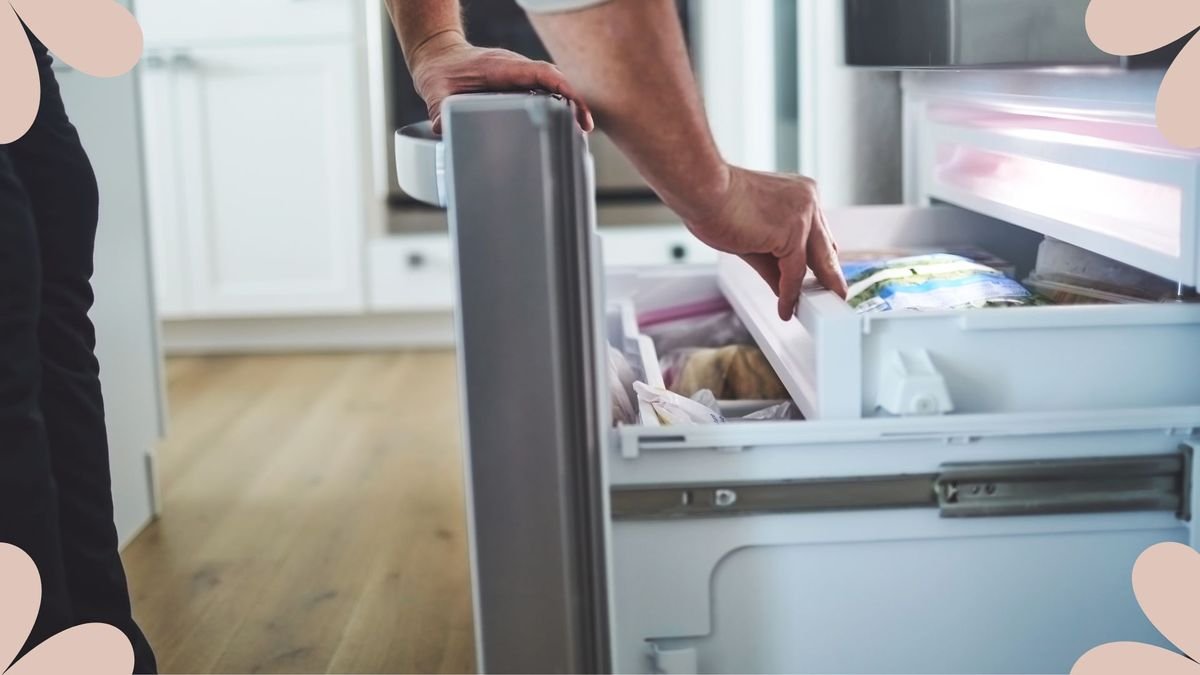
(1129, 27)
(1166, 582)
(88, 648)
(97, 37)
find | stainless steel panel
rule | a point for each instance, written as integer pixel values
(519, 196)
(974, 33)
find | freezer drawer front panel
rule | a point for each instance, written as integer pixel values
(964, 544)
(880, 592)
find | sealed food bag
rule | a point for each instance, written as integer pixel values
(930, 282)
(735, 372)
(778, 412)
(705, 398)
(675, 410)
(854, 262)
(620, 386)
(712, 329)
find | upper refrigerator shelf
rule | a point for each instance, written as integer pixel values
(1078, 159)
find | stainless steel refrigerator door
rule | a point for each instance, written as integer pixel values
(519, 187)
(978, 34)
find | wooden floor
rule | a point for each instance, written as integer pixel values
(312, 518)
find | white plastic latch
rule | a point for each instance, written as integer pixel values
(911, 385)
(672, 661)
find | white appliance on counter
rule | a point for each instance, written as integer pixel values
(970, 488)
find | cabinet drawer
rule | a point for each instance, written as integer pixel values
(665, 245)
(175, 23)
(839, 364)
(412, 273)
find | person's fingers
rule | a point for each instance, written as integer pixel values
(552, 79)
(767, 267)
(823, 258)
(792, 270)
(522, 74)
(435, 115)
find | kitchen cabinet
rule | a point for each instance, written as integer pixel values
(171, 23)
(412, 273)
(255, 190)
(415, 272)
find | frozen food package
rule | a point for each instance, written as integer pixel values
(713, 329)
(939, 281)
(854, 262)
(733, 372)
(675, 410)
(620, 385)
(1060, 289)
(1061, 263)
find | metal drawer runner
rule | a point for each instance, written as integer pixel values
(957, 490)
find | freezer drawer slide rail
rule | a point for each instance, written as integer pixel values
(957, 490)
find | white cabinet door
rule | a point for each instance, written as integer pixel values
(160, 131)
(271, 179)
(172, 23)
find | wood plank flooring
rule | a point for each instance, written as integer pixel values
(312, 518)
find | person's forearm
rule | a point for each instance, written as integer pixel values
(628, 59)
(421, 22)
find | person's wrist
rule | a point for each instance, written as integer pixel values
(707, 197)
(434, 45)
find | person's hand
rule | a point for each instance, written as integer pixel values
(773, 222)
(447, 64)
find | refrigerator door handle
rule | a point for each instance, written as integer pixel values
(421, 164)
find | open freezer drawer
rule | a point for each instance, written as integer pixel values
(998, 543)
(839, 364)
(995, 542)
